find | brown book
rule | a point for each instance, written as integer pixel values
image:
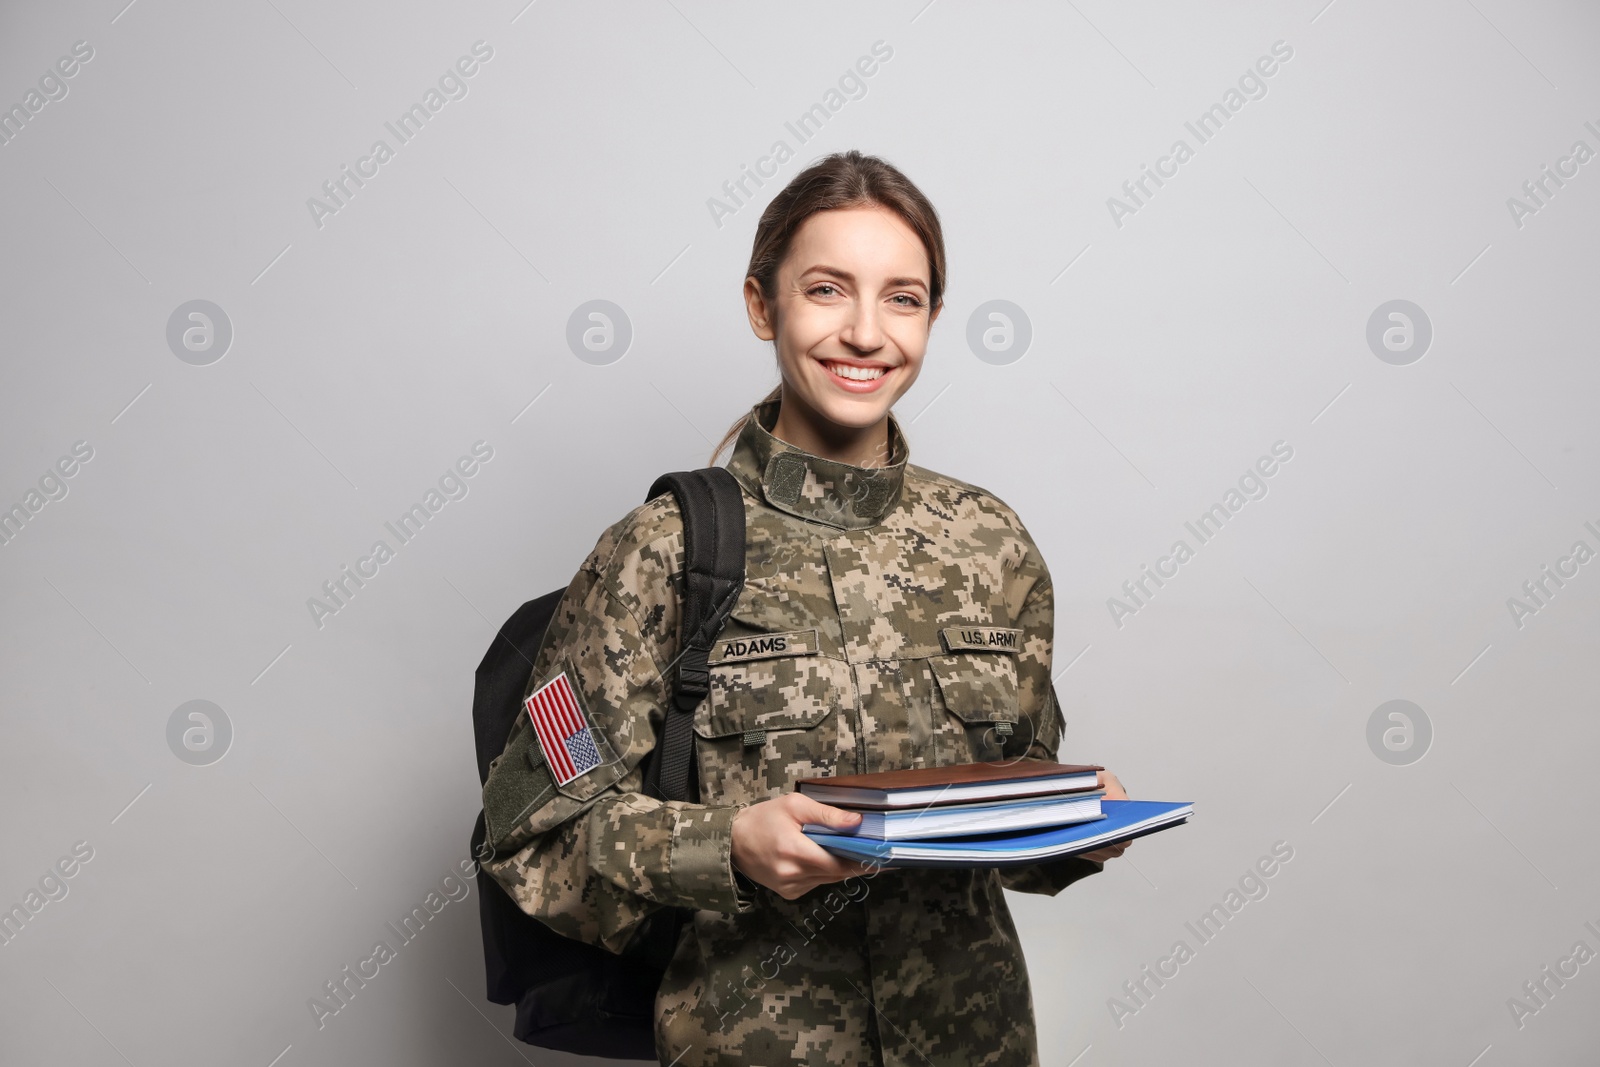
(955, 784)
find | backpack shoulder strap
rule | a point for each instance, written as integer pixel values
(712, 506)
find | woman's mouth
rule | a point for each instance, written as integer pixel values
(854, 378)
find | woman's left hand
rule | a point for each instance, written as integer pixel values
(1114, 791)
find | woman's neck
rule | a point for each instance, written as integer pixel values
(858, 447)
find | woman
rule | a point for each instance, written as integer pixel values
(871, 570)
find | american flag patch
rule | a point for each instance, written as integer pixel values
(563, 730)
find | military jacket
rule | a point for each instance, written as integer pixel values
(890, 618)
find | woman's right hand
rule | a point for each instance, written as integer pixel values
(769, 848)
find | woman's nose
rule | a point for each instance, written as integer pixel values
(864, 333)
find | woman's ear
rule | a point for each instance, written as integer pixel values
(762, 317)
(934, 316)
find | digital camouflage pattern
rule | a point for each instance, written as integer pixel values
(890, 618)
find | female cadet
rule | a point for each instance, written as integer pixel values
(916, 620)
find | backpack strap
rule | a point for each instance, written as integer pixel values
(712, 506)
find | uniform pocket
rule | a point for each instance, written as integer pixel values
(979, 694)
(772, 716)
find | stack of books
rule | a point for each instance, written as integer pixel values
(981, 814)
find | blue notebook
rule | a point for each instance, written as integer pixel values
(1122, 820)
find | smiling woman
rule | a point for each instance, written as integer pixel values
(850, 341)
(842, 654)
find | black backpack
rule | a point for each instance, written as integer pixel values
(572, 996)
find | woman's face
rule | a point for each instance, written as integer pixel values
(850, 317)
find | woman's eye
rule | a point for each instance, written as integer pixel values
(909, 300)
(816, 290)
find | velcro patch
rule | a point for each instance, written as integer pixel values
(765, 646)
(982, 638)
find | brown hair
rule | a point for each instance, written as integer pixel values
(842, 180)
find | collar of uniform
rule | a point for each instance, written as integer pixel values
(809, 487)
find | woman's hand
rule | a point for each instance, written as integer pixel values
(769, 848)
(1114, 791)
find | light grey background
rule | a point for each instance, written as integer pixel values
(1167, 354)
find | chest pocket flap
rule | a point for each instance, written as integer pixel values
(768, 682)
(978, 677)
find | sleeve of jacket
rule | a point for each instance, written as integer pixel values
(593, 857)
(1038, 735)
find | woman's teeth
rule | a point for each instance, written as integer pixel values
(856, 374)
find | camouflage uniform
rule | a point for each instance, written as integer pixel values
(890, 618)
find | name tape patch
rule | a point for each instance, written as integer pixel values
(983, 638)
(765, 646)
